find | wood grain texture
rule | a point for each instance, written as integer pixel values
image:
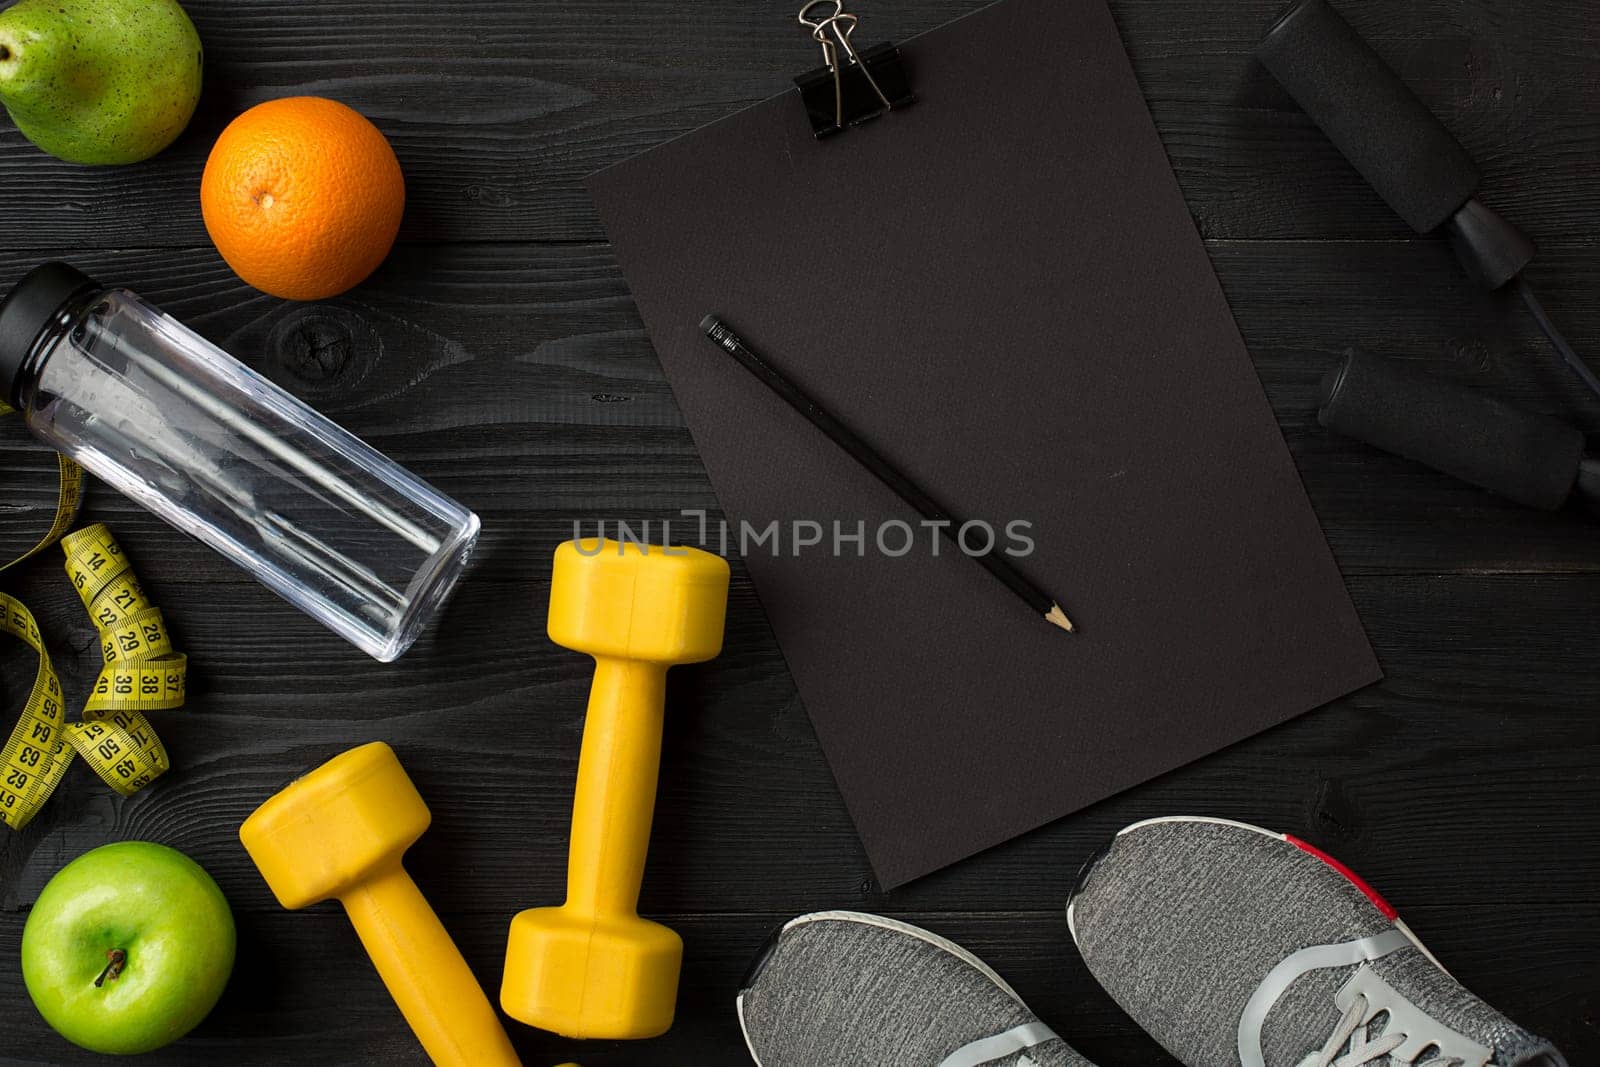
(485, 711)
(498, 109)
(343, 1015)
(498, 354)
(519, 379)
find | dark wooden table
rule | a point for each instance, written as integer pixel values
(498, 354)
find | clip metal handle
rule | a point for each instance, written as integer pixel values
(832, 27)
(844, 24)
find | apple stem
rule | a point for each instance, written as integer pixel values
(119, 959)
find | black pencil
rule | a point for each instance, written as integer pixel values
(1037, 599)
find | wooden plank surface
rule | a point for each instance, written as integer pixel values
(498, 354)
(498, 109)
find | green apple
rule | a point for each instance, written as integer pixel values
(127, 948)
(99, 81)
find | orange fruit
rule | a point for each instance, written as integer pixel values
(303, 197)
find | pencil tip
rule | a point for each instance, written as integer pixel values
(1057, 617)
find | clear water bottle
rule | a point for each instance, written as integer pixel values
(169, 419)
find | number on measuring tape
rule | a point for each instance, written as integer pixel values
(142, 673)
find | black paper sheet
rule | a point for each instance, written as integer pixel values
(1001, 289)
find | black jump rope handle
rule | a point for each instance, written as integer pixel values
(1530, 458)
(1390, 136)
(1424, 174)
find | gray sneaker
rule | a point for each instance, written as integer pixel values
(844, 989)
(1238, 947)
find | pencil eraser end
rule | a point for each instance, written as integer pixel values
(708, 324)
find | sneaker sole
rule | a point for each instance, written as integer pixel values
(1289, 839)
(864, 919)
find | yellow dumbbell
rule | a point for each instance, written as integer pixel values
(340, 832)
(592, 968)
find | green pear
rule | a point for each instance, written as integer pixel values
(99, 81)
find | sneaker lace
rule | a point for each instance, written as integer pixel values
(1363, 1048)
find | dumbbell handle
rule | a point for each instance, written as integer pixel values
(616, 794)
(425, 973)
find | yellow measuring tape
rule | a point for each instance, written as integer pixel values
(142, 672)
(68, 496)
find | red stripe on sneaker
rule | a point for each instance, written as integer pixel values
(1351, 876)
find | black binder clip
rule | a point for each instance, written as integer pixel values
(852, 87)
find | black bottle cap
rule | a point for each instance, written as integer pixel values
(28, 311)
